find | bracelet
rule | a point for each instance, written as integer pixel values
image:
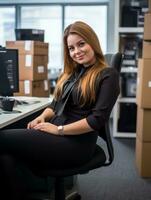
(60, 130)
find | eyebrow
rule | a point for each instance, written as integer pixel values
(81, 40)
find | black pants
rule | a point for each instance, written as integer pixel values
(39, 149)
(11, 187)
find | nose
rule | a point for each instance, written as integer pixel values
(76, 50)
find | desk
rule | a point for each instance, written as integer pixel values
(25, 110)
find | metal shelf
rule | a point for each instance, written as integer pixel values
(124, 135)
(125, 31)
(129, 70)
(126, 100)
(131, 30)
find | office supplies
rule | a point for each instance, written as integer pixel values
(7, 104)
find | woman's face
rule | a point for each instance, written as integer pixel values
(80, 51)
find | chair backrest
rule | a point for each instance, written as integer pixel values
(116, 62)
(108, 57)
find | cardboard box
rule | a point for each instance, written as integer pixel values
(149, 2)
(33, 67)
(143, 158)
(28, 47)
(34, 88)
(143, 92)
(143, 129)
(146, 49)
(147, 26)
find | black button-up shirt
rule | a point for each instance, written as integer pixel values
(97, 113)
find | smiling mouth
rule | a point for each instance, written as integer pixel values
(80, 57)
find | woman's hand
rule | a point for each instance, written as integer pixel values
(36, 121)
(47, 127)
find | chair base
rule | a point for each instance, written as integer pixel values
(73, 196)
(70, 196)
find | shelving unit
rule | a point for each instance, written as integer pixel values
(128, 40)
(130, 30)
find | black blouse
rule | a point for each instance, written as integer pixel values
(97, 113)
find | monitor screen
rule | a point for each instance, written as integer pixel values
(9, 72)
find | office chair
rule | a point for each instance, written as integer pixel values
(99, 158)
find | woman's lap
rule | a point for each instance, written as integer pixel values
(36, 147)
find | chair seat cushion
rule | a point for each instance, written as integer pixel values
(98, 160)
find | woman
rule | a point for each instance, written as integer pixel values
(65, 134)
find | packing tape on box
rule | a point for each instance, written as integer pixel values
(40, 69)
(27, 87)
(27, 45)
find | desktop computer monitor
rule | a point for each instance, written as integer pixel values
(9, 72)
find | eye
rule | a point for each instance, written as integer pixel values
(70, 48)
(82, 43)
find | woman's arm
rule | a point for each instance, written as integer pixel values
(75, 128)
(107, 95)
(47, 114)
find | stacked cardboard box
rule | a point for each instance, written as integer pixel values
(143, 139)
(33, 72)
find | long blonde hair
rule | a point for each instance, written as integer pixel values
(88, 81)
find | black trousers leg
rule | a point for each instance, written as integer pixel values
(47, 150)
(39, 149)
(11, 187)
